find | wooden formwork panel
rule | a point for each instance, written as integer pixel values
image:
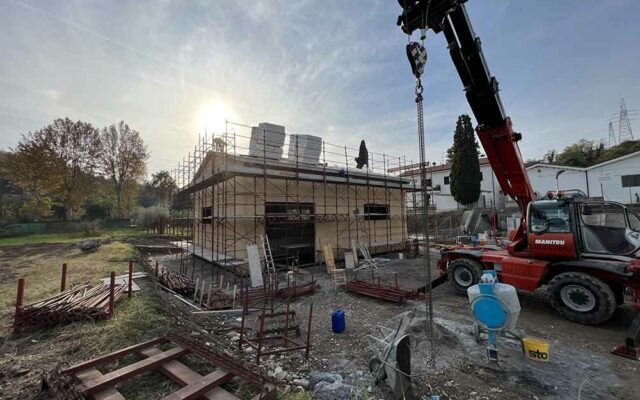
(88, 382)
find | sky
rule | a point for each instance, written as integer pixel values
(332, 68)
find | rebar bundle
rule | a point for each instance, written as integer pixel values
(79, 303)
(177, 282)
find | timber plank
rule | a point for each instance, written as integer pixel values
(108, 393)
(119, 375)
(203, 385)
(183, 375)
(115, 355)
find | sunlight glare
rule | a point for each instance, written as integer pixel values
(211, 118)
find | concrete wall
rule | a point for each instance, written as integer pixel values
(605, 180)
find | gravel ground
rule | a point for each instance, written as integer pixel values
(580, 361)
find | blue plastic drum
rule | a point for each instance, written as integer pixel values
(338, 322)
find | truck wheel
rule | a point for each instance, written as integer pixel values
(582, 298)
(463, 273)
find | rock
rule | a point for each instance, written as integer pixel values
(317, 376)
(279, 374)
(301, 382)
(328, 386)
(87, 246)
(337, 390)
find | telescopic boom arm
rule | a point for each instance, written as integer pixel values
(481, 89)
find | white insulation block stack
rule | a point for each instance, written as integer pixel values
(267, 141)
(305, 149)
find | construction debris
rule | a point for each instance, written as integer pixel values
(79, 303)
(381, 292)
(177, 282)
(84, 380)
(124, 280)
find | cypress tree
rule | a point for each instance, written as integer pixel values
(465, 175)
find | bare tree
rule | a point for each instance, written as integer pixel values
(123, 158)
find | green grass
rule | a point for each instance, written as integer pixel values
(72, 237)
(41, 268)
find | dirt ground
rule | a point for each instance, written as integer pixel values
(580, 366)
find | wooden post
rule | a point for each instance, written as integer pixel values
(112, 288)
(130, 276)
(209, 295)
(20, 296)
(63, 278)
(202, 292)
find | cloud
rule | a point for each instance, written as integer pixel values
(334, 69)
(51, 94)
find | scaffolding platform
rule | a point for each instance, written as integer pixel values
(209, 255)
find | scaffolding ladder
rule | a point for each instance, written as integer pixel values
(268, 259)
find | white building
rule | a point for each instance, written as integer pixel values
(614, 180)
(438, 186)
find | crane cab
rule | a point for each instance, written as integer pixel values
(568, 228)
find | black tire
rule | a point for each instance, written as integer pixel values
(464, 273)
(582, 298)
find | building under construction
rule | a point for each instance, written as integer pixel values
(240, 185)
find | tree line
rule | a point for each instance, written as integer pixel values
(586, 153)
(70, 170)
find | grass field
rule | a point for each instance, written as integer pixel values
(115, 234)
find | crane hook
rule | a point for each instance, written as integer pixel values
(417, 55)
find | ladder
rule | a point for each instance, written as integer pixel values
(268, 259)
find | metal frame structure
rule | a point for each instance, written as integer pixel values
(234, 188)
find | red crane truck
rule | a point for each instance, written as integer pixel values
(585, 251)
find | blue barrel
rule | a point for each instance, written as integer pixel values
(338, 321)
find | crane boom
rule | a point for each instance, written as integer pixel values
(481, 90)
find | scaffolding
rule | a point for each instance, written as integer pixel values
(227, 196)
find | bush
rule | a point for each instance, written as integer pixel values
(89, 228)
(153, 218)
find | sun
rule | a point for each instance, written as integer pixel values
(212, 117)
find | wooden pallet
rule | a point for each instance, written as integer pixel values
(94, 384)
